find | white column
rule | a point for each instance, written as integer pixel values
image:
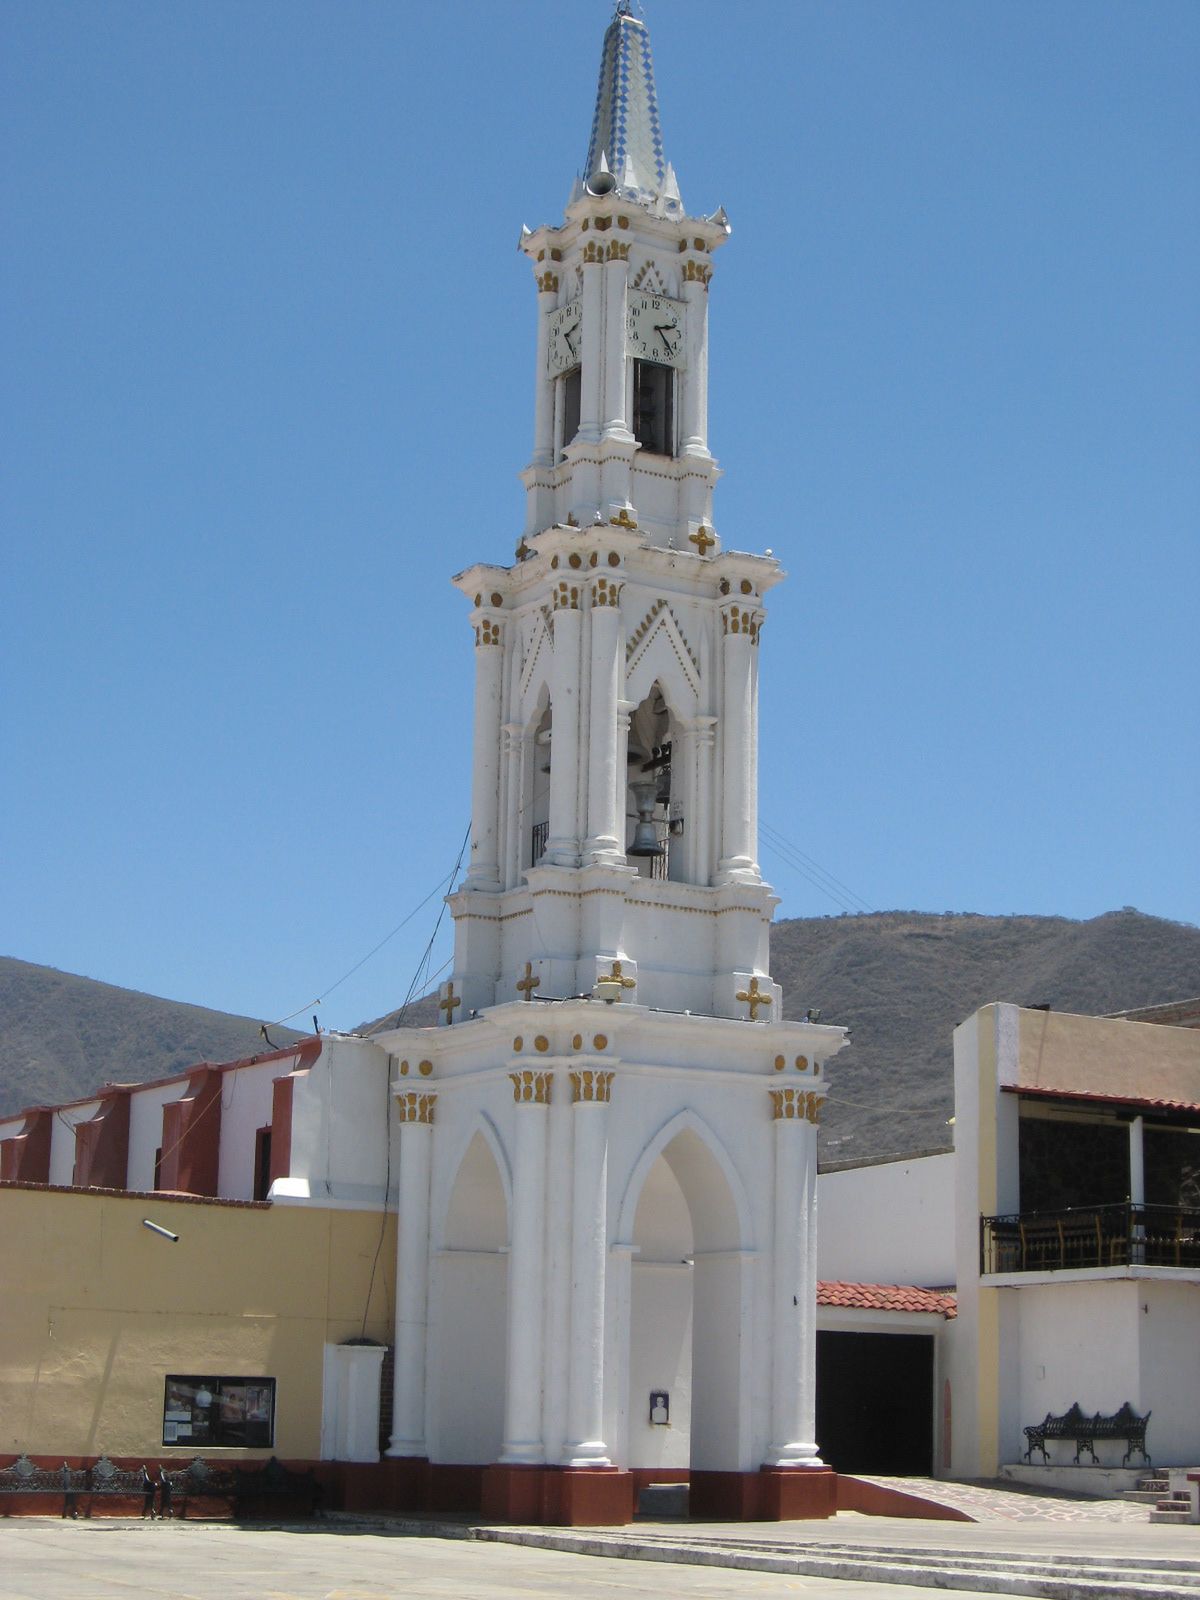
(514, 750)
(543, 393)
(592, 360)
(740, 626)
(1137, 1163)
(794, 1283)
(585, 1445)
(562, 844)
(484, 869)
(523, 1392)
(415, 1112)
(616, 274)
(693, 410)
(605, 836)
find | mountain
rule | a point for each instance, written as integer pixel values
(61, 1036)
(901, 981)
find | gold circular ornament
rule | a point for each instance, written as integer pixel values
(614, 559)
(780, 1063)
(577, 1042)
(404, 1069)
(747, 586)
(425, 1068)
(575, 559)
(801, 1063)
(541, 1042)
(601, 1041)
(518, 1043)
(497, 599)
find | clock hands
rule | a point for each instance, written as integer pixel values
(567, 332)
(663, 330)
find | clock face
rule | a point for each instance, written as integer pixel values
(654, 329)
(566, 338)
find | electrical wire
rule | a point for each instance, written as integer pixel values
(818, 876)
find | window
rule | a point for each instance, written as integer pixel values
(228, 1413)
(158, 1168)
(262, 1163)
(654, 407)
(572, 390)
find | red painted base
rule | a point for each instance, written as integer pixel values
(565, 1497)
(772, 1494)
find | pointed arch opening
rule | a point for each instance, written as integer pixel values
(689, 1293)
(467, 1347)
(655, 808)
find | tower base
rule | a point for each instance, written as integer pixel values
(565, 1497)
(772, 1494)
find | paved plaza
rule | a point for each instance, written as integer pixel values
(43, 1559)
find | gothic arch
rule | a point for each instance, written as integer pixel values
(707, 1226)
(481, 1126)
(658, 651)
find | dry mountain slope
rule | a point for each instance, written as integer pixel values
(903, 981)
(61, 1036)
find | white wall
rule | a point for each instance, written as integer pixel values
(888, 1223)
(342, 1126)
(246, 1098)
(660, 1323)
(62, 1139)
(1170, 1369)
(145, 1130)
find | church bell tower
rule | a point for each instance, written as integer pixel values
(608, 1144)
(616, 701)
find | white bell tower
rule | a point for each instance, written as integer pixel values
(614, 814)
(608, 1144)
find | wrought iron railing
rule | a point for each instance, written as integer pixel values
(539, 833)
(1090, 1236)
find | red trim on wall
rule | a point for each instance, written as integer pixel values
(191, 1135)
(281, 1110)
(102, 1143)
(25, 1156)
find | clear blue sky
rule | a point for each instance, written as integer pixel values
(267, 377)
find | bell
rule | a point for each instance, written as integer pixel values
(645, 834)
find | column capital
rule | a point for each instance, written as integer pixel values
(412, 1106)
(605, 591)
(531, 1088)
(742, 619)
(795, 1105)
(589, 1085)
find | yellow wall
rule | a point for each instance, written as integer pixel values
(1142, 1060)
(95, 1310)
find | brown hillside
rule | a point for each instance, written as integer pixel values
(61, 1036)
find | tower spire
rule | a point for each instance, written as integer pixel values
(625, 152)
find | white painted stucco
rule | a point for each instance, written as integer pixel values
(891, 1222)
(62, 1139)
(146, 1129)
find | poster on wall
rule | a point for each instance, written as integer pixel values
(220, 1411)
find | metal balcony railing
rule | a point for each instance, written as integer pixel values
(537, 847)
(1090, 1236)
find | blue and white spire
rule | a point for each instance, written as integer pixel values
(625, 153)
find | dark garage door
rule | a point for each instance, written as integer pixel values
(875, 1402)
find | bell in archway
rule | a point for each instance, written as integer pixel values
(645, 834)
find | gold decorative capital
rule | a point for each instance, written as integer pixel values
(743, 620)
(606, 591)
(531, 1088)
(489, 631)
(547, 282)
(588, 1084)
(414, 1107)
(812, 1107)
(618, 250)
(788, 1105)
(593, 251)
(566, 596)
(697, 272)
(753, 997)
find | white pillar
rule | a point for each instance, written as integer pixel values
(585, 1445)
(562, 844)
(526, 1273)
(484, 869)
(590, 397)
(616, 274)
(514, 752)
(740, 628)
(543, 393)
(794, 1282)
(1137, 1163)
(605, 834)
(693, 410)
(415, 1112)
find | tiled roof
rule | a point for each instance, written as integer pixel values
(626, 134)
(1087, 1095)
(887, 1297)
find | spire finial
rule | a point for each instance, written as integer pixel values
(626, 126)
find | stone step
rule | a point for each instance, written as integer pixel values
(1144, 1497)
(1177, 1514)
(1065, 1578)
(664, 1501)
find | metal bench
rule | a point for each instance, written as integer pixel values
(65, 1483)
(246, 1491)
(1083, 1431)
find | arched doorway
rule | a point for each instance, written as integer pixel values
(467, 1347)
(687, 1314)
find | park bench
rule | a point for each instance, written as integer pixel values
(64, 1483)
(1083, 1431)
(246, 1491)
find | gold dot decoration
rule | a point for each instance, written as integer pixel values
(592, 559)
(614, 559)
(425, 1068)
(478, 599)
(780, 1063)
(518, 1043)
(724, 586)
(541, 1042)
(554, 561)
(404, 1069)
(497, 599)
(601, 1041)
(577, 1042)
(801, 1063)
(747, 586)
(575, 559)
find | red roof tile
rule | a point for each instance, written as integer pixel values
(1100, 1099)
(887, 1297)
